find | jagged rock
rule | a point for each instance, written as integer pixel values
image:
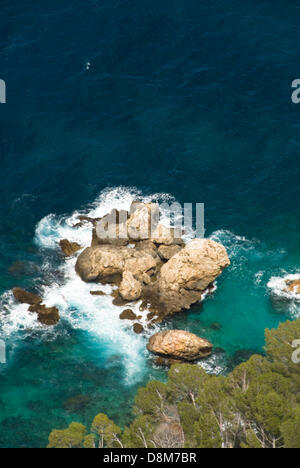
(293, 286)
(25, 297)
(143, 220)
(130, 288)
(69, 248)
(138, 328)
(128, 314)
(195, 267)
(167, 251)
(179, 344)
(46, 315)
(107, 263)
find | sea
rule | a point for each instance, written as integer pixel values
(110, 101)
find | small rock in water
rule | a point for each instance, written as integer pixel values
(25, 297)
(97, 293)
(216, 326)
(46, 315)
(127, 314)
(138, 328)
(293, 286)
(69, 248)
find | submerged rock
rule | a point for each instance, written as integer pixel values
(179, 344)
(25, 297)
(46, 315)
(69, 248)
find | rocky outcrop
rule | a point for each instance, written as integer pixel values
(25, 297)
(155, 265)
(69, 248)
(179, 344)
(195, 267)
(293, 286)
(46, 315)
(130, 288)
(107, 263)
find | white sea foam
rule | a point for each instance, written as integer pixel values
(278, 285)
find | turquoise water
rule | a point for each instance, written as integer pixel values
(187, 99)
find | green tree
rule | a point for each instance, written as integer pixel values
(291, 429)
(140, 433)
(72, 437)
(108, 432)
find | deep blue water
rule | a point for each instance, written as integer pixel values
(189, 98)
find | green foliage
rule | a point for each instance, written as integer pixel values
(152, 399)
(140, 433)
(68, 438)
(290, 429)
(256, 406)
(109, 434)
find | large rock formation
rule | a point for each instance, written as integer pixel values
(155, 266)
(195, 267)
(179, 344)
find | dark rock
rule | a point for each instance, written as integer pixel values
(76, 403)
(97, 293)
(25, 297)
(69, 248)
(128, 314)
(138, 328)
(46, 315)
(215, 326)
(165, 362)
